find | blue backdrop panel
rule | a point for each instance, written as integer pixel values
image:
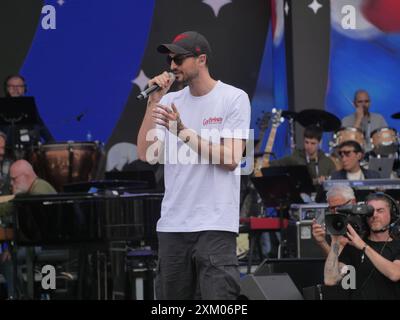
(85, 66)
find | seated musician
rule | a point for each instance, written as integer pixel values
(318, 164)
(351, 153)
(15, 86)
(362, 118)
(23, 181)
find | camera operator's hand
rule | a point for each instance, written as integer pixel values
(354, 238)
(318, 232)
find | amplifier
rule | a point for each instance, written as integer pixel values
(300, 241)
(303, 211)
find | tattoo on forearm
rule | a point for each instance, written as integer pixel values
(332, 264)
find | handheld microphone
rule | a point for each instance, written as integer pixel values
(145, 93)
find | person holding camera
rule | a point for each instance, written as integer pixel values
(338, 195)
(375, 257)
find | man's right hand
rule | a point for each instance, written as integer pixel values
(318, 232)
(164, 81)
(359, 117)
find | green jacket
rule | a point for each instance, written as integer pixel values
(298, 157)
(39, 186)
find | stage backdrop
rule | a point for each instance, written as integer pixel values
(366, 57)
(85, 61)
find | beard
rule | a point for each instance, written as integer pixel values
(187, 78)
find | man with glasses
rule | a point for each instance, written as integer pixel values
(15, 87)
(23, 181)
(364, 119)
(200, 210)
(338, 195)
(374, 257)
(351, 153)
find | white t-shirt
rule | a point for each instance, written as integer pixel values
(200, 196)
(359, 175)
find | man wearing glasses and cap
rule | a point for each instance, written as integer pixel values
(200, 210)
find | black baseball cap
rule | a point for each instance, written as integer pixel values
(185, 43)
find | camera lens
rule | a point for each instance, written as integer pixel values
(336, 223)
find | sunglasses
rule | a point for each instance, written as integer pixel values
(178, 59)
(345, 153)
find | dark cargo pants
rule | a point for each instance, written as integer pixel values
(197, 265)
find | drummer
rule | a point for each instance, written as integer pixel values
(318, 164)
(364, 119)
(14, 87)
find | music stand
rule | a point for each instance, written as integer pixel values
(19, 111)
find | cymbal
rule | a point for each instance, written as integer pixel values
(325, 120)
(395, 115)
(289, 114)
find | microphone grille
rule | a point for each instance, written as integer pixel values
(171, 76)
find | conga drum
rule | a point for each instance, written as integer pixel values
(67, 162)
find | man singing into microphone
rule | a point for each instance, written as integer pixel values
(200, 210)
(376, 259)
(362, 118)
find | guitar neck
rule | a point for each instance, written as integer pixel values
(270, 143)
(260, 140)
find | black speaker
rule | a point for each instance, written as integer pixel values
(269, 287)
(303, 272)
(322, 292)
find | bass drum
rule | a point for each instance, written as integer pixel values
(384, 141)
(67, 162)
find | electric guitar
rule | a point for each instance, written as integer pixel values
(262, 124)
(263, 160)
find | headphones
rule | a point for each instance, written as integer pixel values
(394, 208)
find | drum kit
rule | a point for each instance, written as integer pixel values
(385, 142)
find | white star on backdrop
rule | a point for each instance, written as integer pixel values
(141, 80)
(60, 2)
(315, 6)
(286, 8)
(216, 5)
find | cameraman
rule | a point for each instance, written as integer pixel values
(338, 195)
(376, 258)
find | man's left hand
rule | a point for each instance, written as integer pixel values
(168, 117)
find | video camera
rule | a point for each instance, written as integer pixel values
(355, 215)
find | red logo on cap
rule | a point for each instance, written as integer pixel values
(180, 37)
(198, 49)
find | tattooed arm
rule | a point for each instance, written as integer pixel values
(332, 274)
